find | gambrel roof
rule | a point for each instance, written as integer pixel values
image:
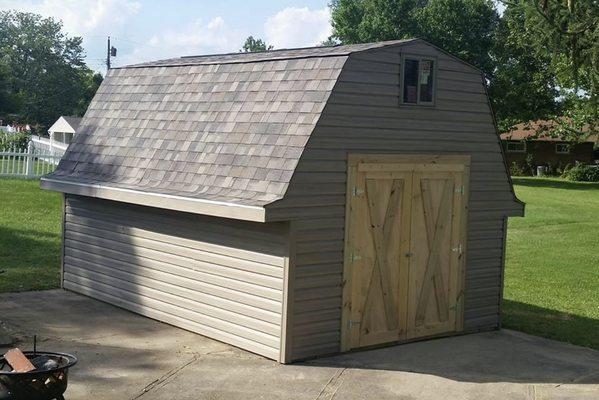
(223, 130)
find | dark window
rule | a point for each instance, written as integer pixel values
(562, 148)
(516, 147)
(410, 81)
(418, 81)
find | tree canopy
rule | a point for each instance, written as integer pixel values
(567, 32)
(254, 44)
(462, 27)
(42, 70)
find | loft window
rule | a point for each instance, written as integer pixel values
(562, 148)
(516, 147)
(418, 81)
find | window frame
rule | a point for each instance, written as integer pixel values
(419, 58)
(517, 142)
(567, 146)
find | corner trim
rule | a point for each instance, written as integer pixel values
(169, 202)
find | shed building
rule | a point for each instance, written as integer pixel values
(294, 203)
(63, 130)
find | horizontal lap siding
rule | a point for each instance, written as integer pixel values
(363, 116)
(220, 278)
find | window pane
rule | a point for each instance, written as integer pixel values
(562, 148)
(426, 81)
(516, 147)
(410, 81)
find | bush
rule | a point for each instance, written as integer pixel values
(583, 173)
(516, 169)
(10, 141)
(530, 166)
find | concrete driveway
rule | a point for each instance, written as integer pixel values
(125, 356)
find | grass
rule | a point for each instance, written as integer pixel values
(552, 275)
(30, 221)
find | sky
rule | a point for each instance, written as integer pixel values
(144, 30)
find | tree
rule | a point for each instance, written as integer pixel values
(45, 73)
(252, 45)
(92, 81)
(568, 30)
(462, 27)
(524, 84)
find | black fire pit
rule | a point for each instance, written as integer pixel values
(40, 384)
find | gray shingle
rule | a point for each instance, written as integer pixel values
(229, 127)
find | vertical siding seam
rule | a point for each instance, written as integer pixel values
(62, 236)
(502, 272)
(287, 314)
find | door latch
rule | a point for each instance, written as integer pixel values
(353, 257)
(457, 249)
(350, 323)
(357, 191)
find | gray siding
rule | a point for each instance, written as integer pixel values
(220, 278)
(363, 116)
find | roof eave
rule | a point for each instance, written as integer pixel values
(169, 202)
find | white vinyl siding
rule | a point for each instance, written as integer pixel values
(220, 278)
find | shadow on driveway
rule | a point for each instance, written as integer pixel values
(126, 356)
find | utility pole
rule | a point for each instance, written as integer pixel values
(108, 55)
(110, 51)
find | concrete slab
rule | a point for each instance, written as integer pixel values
(126, 356)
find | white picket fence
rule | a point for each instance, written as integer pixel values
(28, 163)
(46, 145)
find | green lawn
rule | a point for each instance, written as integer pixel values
(29, 236)
(552, 276)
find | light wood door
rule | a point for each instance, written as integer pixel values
(380, 202)
(435, 252)
(403, 270)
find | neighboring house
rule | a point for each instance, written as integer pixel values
(294, 203)
(63, 130)
(15, 128)
(524, 142)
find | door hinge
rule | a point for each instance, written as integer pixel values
(350, 323)
(458, 302)
(460, 190)
(357, 191)
(457, 249)
(353, 257)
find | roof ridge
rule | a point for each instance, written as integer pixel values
(267, 55)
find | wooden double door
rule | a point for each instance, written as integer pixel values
(404, 248)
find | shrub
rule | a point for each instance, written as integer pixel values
(516, 169)
(583, 173)
(530, 166)
(566, 170)
(10, 141)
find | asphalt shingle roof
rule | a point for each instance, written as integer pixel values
(227, 128)
(73, 121)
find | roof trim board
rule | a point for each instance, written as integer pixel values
(271, 55)
(169, 202)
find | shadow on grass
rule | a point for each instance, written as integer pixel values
(551, 324)
(29, 260)
(555, 183)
